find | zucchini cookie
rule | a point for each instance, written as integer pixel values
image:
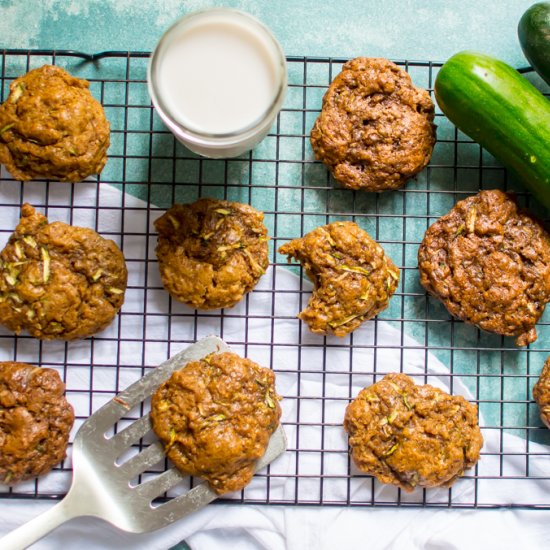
(375, 130)
(58, 281)
(52, 127)
(352, 276)
(411, 435)
(489, 263)
(215, 417)
(541, 393)
(211, 252)
(35, 421)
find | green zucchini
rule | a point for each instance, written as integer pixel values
(534, 37)
(502, 111)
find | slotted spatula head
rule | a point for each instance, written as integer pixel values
(102, 481)
(95, 456)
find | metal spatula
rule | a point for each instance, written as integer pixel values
(101, 487)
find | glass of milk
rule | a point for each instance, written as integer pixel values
(218, 79)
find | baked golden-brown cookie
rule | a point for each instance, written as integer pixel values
(58, 281)
(35, 421)
(211, 252)
(215, 417)
(352, 276)
(412, 435)
(541, 393)
(375, 130)
(52, 127)
(489, 263)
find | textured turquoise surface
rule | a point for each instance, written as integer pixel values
(403, 29)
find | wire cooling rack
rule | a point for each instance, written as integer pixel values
(148, 170)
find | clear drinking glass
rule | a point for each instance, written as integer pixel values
(218, 79)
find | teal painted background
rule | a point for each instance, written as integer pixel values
(403, 29)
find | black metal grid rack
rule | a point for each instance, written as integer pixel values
(148, 170)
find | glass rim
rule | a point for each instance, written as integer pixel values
(221, 138)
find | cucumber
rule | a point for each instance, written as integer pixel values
(502, 111)
(534, 37)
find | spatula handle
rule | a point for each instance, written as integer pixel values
(36, 528)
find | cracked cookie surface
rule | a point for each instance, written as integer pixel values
(52, 127)
(541, 393)
(412, 435)
(352, 276)
(375, 130)
(211, 252)
(35, 421)
(59, 281)
(215, 417)
(489, 263)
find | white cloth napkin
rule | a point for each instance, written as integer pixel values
(297, 351)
